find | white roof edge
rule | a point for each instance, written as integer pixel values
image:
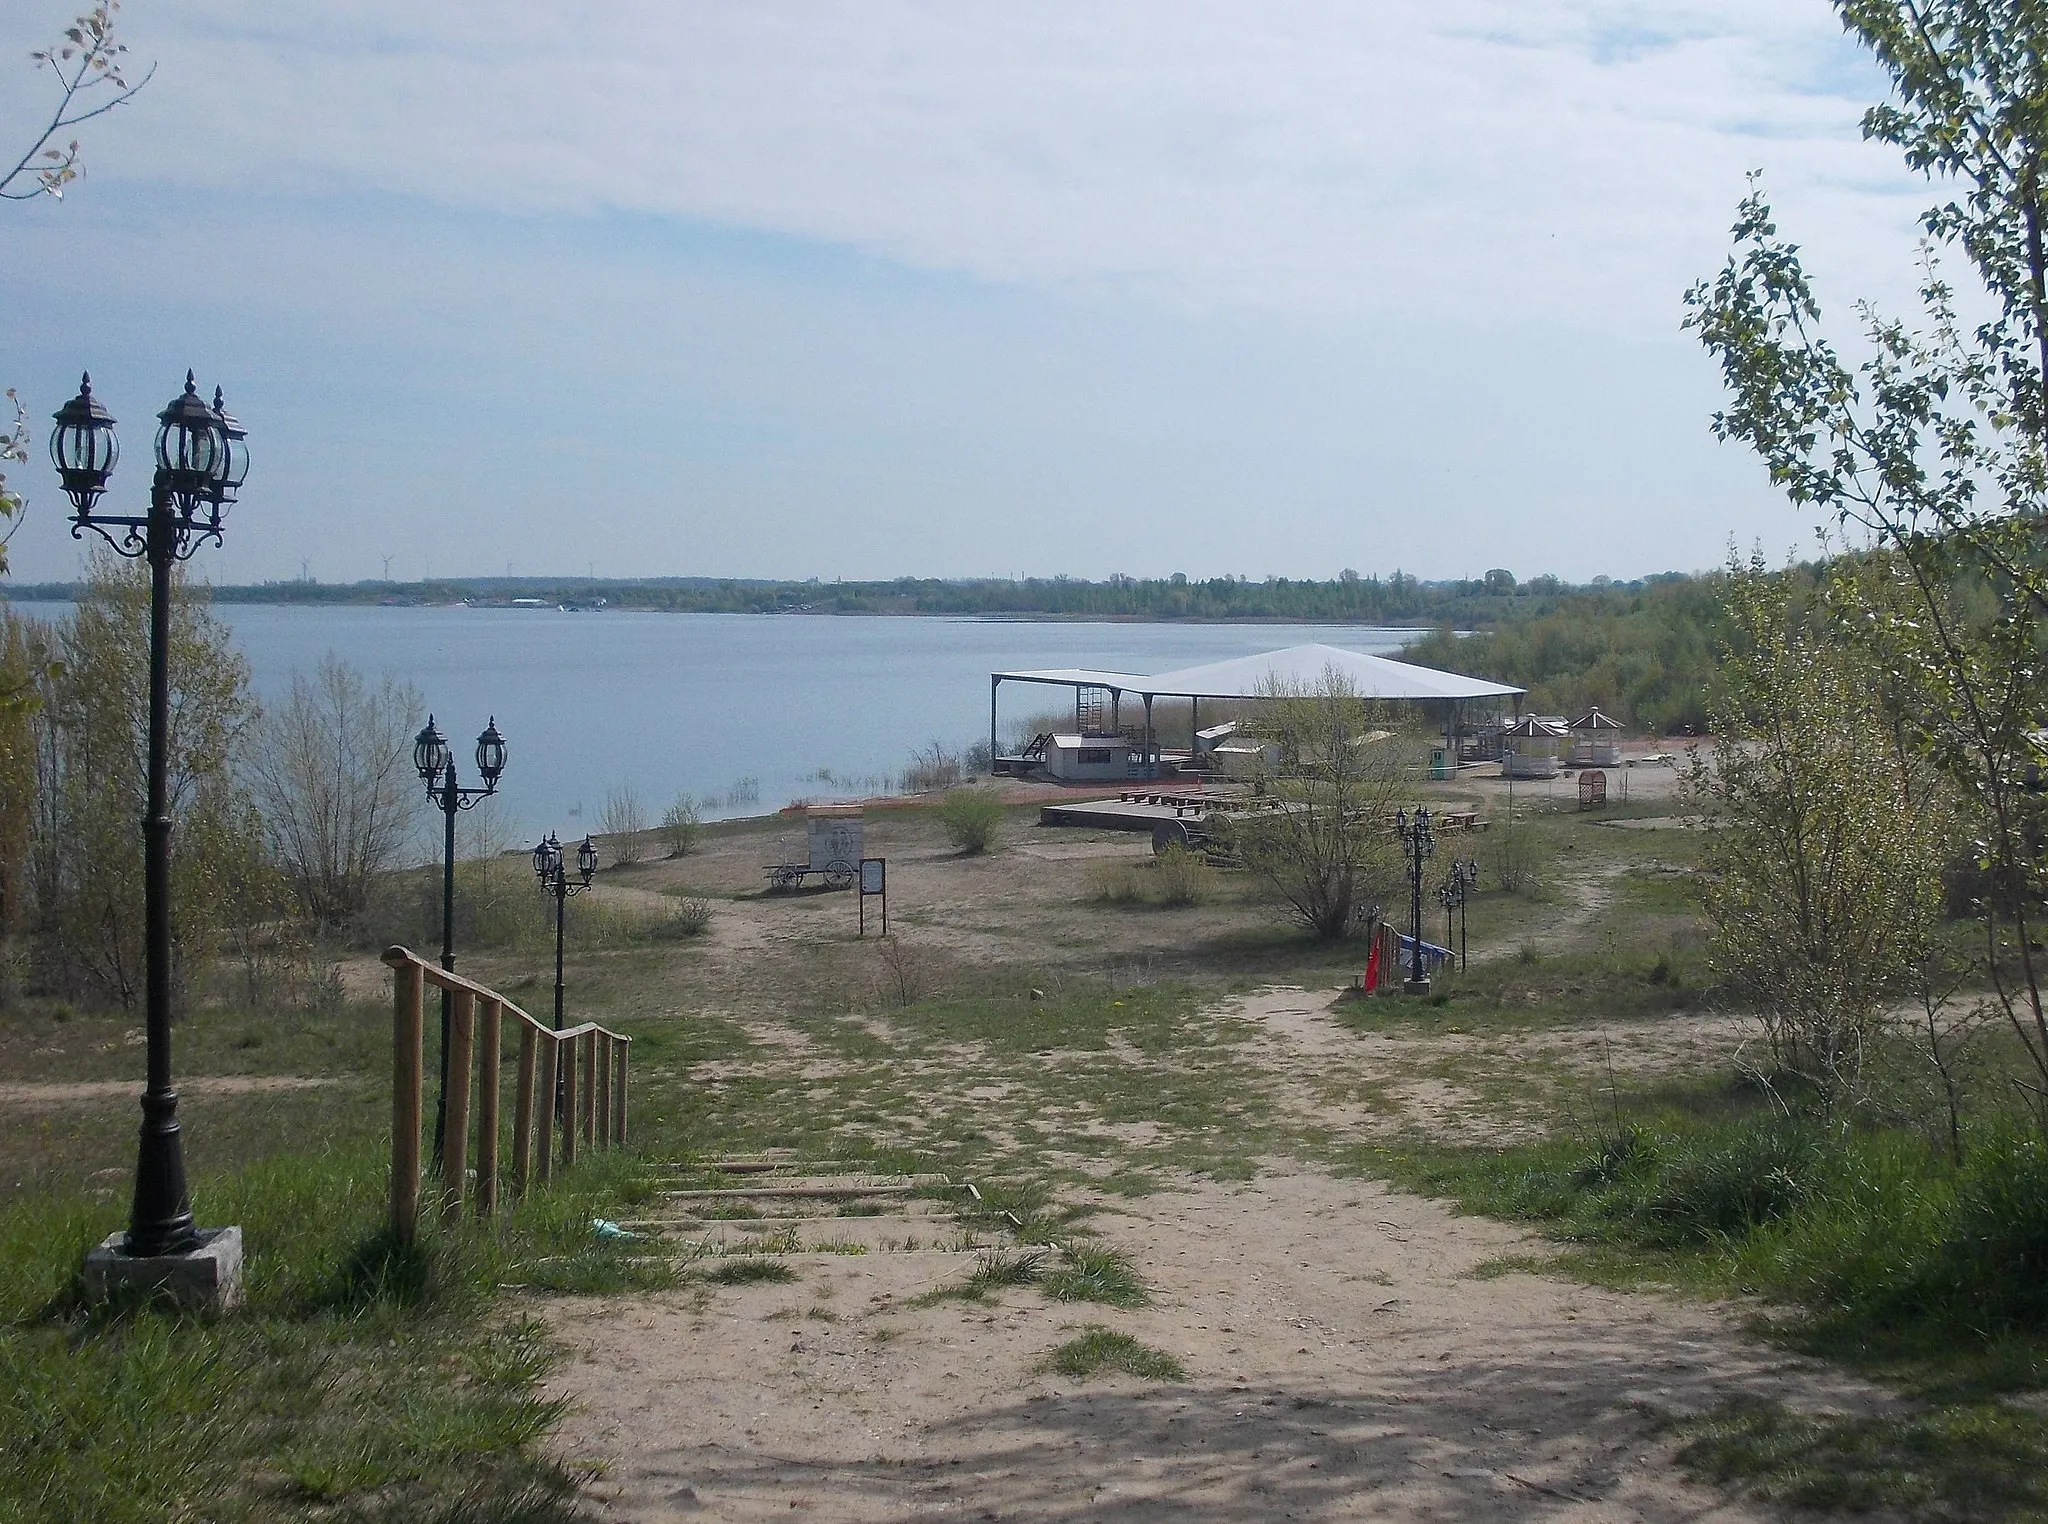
(1088, 677)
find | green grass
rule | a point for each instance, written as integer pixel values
(1982, 1460)
(1092, 1273)
(1098, 1350)
(749, 1271)
(361, 1377)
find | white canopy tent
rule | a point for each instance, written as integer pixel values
(1293, 669)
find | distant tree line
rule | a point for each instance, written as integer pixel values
(1647, 657)
(1348, 598)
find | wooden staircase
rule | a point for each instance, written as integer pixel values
(773, 1203)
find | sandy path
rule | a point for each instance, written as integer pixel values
(1343, 1362)
(73, 1092)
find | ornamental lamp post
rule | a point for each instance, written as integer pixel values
(1456, 890)
(1414, 831)
(202, 459)
(550, 870)
(436, 767)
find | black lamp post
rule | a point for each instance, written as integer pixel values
(554, 878)
(436, 765)
(1452, 896)
(1416, 837)
(202, 459)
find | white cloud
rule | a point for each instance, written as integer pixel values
(1557, 157)
(1399, 281)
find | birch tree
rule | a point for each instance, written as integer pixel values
(1929, 440)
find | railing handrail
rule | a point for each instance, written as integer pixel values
(398, 957)
(576, 1083)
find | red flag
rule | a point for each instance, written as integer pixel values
(1372, 967)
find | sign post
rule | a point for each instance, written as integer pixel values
(874, 880)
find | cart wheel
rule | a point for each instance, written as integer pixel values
(787, 878)
(839, 874)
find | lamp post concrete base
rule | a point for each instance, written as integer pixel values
(205, 1279)
(1415, 986)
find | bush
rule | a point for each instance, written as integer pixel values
(1519, 859)
(1183, 877)
(932, 769)
(971, 816)
(1116, 882)
(690, 918)
(1175, 877)
(1725, 1186)
(621, 821)
(680, 825)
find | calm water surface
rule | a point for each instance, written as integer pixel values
(805, 707)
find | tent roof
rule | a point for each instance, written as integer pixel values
(1076, 677)
(1594, 719)
(1302, 668)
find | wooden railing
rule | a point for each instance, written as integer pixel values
(587, 1063)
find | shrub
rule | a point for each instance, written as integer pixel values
(1115, 882)
(1176, 877)
(690, 918)
(931, 769)
(971, 816)
(1519, 859)
(1724, 1186)
(680, 825)
(621, 821)
(1183, 877)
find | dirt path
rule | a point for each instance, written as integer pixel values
(1350, 1353)
(73, 1092)
(1344, 1361)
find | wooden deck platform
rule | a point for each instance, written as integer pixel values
(1129, 814)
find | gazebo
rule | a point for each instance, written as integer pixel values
(1596, 740)
(1293, 669)
(1530, 747)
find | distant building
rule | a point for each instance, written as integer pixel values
(1088, 759)
(1530, 746)
(1596, 740)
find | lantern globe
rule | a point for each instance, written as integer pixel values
(547, 859)
(231, 465)
(586, 858)
(83, 447)
(490, 753)
(430, 752)
(189, 443)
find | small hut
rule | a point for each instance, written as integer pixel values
(1530, 746)
(1596, 740)
(1088, 758)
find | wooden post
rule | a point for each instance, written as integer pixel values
(601, 1089)
(455, 1142)
(490, 1015)
(625, 1047)
(522, 1111)
(588, 1115)
(406, 987)
(567, 1048)
(544, 1108)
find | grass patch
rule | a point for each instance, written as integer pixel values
(1098, 1350)
(1984, 1460)
(362, 1379)
(749, 1271)
(1175, 878)
(1093, 1273)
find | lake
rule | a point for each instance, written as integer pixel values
(746, 711)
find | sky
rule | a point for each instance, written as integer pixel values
(941, 287)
